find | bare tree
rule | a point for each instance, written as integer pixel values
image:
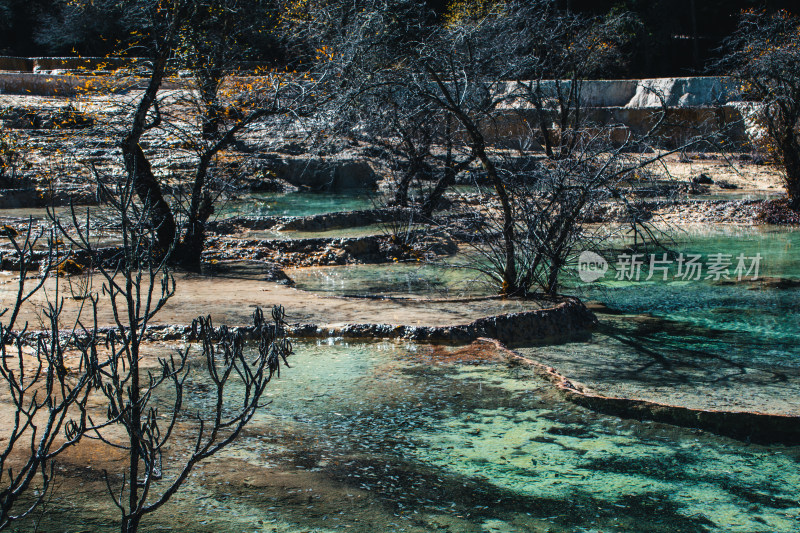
(556, 204)
(11, 162)
(474, 76)
(553, 53)
(764, 52)
(160, 225)
(201, 118)
(370, 41)
(136, 284)
(47, 377)
(456, 71)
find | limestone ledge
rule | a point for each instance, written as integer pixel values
(33, 198)
(749, 426)
(564, 320)
(321, 222)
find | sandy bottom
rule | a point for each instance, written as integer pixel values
(748, 177)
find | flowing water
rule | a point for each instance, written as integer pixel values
(392, 437)
(334, 233)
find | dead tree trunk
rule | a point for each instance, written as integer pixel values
(138, 167)
(790, 152)
(510, 285)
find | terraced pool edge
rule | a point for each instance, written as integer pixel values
(750, 426)
(555, 324)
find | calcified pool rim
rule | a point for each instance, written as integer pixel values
(562, 321)
(750, 426)
(565, 320)
(393, 436)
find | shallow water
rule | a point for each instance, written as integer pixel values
(41, 213)
(397, 279)
(377, 437)
(336, 233)
(725, 344)
(780, 258)
(755, 307)
(384, 437)
(296, 204)
(675, 362)
(722, 344)
(739, 195)
(765, 316)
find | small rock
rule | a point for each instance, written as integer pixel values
(703, 179)
(276, 274)
(293, 148)
(726, 185)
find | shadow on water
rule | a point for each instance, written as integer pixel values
(677, 351)
(393, 437)
(380, 447)
(680, 363)
(706, 343)
(487, 442)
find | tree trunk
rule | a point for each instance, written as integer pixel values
(451, 170)
(547, 141)
(190, 252)
(449, 177)
(211, 123)
(791, 165)
(442, 185)
(209, 80)
(138, 167)
(401, 194)
(552, 280)
(510, 283)
(201, 207)
(149, 192)
(130, 524)
(416, 158)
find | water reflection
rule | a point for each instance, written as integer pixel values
(404, 279)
